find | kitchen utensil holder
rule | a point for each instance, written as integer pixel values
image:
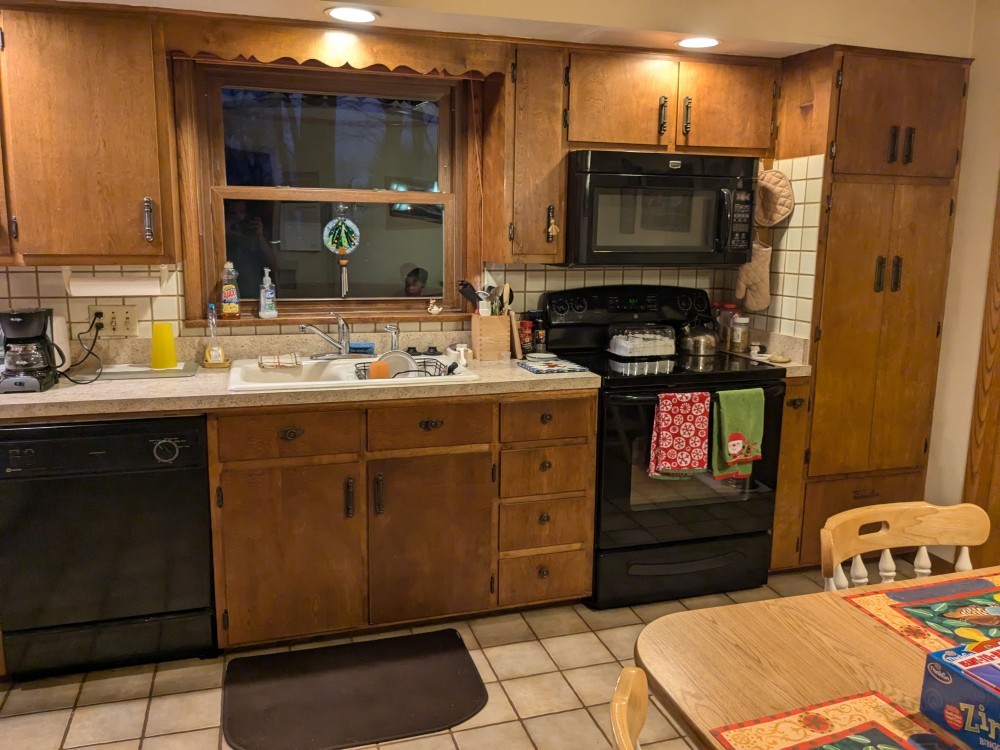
(491, 337)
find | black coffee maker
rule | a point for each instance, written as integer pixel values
(29, 362)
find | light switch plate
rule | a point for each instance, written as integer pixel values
(120, 321)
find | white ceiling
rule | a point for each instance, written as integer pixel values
(417, 16)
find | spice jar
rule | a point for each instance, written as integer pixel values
(739, 340)
(526, 335)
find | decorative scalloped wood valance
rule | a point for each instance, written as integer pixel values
(269, 42)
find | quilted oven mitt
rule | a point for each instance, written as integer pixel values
(753, 283)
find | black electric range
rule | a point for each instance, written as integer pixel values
(655, 539)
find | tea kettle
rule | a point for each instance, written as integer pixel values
(698, 340)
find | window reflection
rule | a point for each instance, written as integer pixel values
(398, 255)
(325, 140)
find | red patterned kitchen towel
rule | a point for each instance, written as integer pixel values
(679, 444)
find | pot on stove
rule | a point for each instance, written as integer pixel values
(698, 341)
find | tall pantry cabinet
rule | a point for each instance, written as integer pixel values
(890, 127)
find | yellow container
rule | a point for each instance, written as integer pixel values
(162, 353)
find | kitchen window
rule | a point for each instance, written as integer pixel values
(342, 183)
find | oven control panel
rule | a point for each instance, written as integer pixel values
(605, 305)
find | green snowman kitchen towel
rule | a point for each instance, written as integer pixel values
(738, 426)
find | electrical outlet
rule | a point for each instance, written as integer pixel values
(120, 321)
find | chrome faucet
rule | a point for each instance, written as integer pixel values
(342, 342)
(393, 331)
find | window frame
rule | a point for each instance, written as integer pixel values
(199, 104)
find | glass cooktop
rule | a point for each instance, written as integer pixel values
(677, 370)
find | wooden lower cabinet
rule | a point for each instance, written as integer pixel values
(430, 536)
(295, 545)
(824, 499)
(790, 492)
(385, 527)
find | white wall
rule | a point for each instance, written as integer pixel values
(977, 194)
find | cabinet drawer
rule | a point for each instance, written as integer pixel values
(429, 425)
(546, 523)
(541, 577)
(824, 499)
(289, 435)
(540, 471)
(546, 420)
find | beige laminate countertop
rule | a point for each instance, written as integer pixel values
(208, 391)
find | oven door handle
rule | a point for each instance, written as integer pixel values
(653, 400)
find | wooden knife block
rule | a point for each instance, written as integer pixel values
(490, 336)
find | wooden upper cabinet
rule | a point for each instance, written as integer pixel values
(622, 98)
(87, 134)
(722, 105)
(899, 116)
(539, 156)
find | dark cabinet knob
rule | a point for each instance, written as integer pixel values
(291, 433)
(543, 573)
(545, 465)
(431, 424)
(546, 418)
(795, 403)
(544, 518)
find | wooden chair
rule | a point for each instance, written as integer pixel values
(899, 525)
(629, 707)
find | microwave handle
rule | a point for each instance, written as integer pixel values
(727, 219)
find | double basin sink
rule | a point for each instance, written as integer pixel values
(247, 375)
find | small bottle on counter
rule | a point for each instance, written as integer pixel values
(541, 340)
(267, 307)
(230, 293)
(729, 311)
(740, 335)
(214, 354)
(527, 335)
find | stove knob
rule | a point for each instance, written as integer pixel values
(683, 302)
(579, 305)
(165, 451)
(701, 304)
(560, 307)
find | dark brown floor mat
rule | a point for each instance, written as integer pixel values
(353, 694)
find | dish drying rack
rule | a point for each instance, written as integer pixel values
(425, 368)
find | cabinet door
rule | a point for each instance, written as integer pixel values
(910, 340)
(539, 156)
(899, 116)
(616, 98)
(932, 131)
(725, 106)
(851, 322)
(294, 547)
(432, 540)
(790, 492)
(81, 97)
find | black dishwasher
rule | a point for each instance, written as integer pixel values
(105, 544)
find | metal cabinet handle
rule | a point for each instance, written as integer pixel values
(291, 433)
(147, 217)
(897, 274)
(545, 465)
(893, 143)
(795, 403)
(908, 145)
(551, 228)
(431, 424)
(664, 100)
(543, 573)
(544, 518)
(379, 494)
(860, 495)
(349, 497)
(686, 126)
(879, 274)
(546, 418)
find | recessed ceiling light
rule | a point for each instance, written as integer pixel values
(698, 42)
(352, 14)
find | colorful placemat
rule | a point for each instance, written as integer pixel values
(869, 721)
(938, 615)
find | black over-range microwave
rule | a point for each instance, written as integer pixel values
(631, 208)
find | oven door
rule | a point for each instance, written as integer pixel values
(636, 510)
(650, 220)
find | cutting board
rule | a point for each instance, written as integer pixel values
(135, 372)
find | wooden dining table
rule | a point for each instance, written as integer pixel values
(717, 667)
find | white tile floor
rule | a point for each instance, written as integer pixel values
(550, 674)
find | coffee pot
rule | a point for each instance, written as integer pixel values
(29, 361)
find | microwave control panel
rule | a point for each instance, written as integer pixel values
(742, 220)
